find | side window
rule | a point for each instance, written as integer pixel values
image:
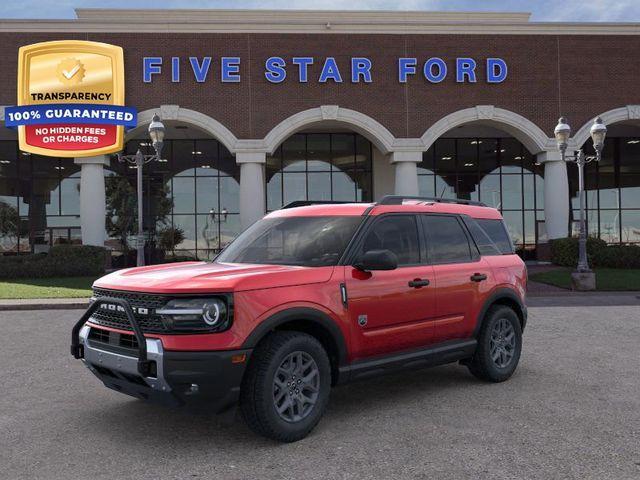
(446, 240)
(497, 232)
(399, 234)
(482, 239)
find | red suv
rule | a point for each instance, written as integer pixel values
(310, 297)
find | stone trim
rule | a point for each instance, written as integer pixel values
(628, 112)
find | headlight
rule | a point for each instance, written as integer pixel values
(200, 314)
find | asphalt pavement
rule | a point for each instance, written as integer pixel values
(571, 411)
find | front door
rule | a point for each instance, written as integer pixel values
(391, 310)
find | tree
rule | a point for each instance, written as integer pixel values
(9, 222)
(122, 208)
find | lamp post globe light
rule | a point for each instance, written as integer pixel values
(583, 278)
(156, 134)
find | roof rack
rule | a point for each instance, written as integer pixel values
(307, 203)
(398, 199)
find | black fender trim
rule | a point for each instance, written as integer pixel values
(496, 296)
(300, 314)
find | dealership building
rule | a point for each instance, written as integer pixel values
(263, 108)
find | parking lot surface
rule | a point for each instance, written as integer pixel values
(571, 411)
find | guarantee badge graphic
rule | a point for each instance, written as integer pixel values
(71, 99)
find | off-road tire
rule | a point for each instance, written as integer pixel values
(257, 402)
(483, 365)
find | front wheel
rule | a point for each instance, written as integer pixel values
(499, 345)
(286, 388)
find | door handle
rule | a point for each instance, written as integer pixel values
(478, 277)
(418, 283)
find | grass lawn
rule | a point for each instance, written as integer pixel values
(606, 278)
(68, 287)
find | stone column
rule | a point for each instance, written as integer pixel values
(92, 199)
(406, 167)
(252, 187)
(556, 194)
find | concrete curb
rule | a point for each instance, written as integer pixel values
(44, 304)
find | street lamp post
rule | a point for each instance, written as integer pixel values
(562, 133)
(156, 133)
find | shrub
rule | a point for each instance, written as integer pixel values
(564, 252)
(61, 261)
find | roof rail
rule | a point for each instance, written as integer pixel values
(307, 203)
(398, 199)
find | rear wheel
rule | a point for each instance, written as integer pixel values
(286, 387)
(499, 345)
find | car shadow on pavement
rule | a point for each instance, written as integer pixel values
(135, 421)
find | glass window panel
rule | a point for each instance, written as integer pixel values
(629, 154)
(513, 220)
(44, 197)
(207, 194)
(530, 228)
(467, 187)
(294, 187)
(70, 196)
(539, 191)
(8, 159)
(208, 232)
(68, 167)
(610, 226)
(184, 195)
(229, 230)
(447, 240)
(607, 186)
(343, 187)
(319, 186)
(467, 151)
(397, 233)
(529, 163)
(44, 166)
(294, 153)
(488, 155)
(182, 163)
(528, 192)
(230, 194)
(187, 223)
(364, 184)
(227, 164)
(274, 192)
(490, 190)
(59, 221)
(426, 165)
(511, 192)
(342, 151)
(363, 153)
(630, 190)
(631, 226)
(443, 188)
(318, 152)
(206, 157)
(10, 223)
(511, 155)
(426, 186)
(445, 156)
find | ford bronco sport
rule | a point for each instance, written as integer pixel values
(310, 297)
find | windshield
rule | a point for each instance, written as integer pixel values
(304, 241)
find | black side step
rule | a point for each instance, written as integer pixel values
(440, 354)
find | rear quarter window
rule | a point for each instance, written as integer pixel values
(496, 231)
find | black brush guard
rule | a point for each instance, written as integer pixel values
(144, 365)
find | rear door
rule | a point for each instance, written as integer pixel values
(462, 277)
(391, 310)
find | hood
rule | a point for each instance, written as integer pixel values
(205, 277)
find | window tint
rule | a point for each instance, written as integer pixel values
(482, 240)
(498, 233)
(397, 234)
(446, 240)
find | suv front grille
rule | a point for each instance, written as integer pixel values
(117, 319)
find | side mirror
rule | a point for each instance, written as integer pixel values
(377, 260)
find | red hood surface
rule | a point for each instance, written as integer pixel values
(205, 277)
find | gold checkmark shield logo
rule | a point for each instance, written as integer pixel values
(70, 71)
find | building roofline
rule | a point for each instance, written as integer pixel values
(310, 21)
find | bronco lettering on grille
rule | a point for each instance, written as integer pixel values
(118, 308)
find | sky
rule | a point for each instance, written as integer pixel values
(542, 10)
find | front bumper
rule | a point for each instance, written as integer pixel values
(148, 372)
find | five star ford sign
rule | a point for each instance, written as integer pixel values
(70, 99)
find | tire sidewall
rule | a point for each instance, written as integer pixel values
(497, 373)
(311, 346)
